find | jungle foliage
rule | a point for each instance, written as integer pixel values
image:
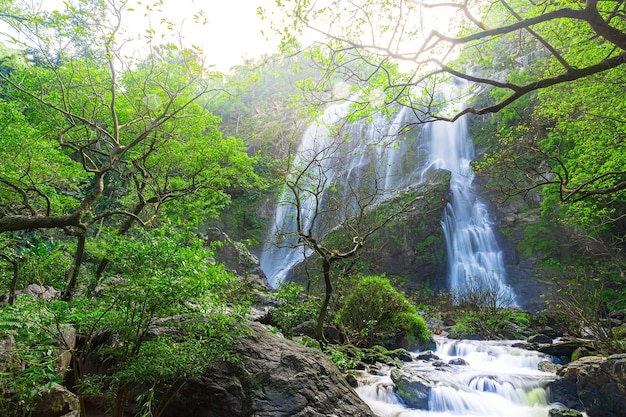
(111, 164)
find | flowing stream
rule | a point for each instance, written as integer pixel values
(498, 381)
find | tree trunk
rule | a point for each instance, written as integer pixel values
(72, 274)
(121, 398)
(328, 290)
(16, 274)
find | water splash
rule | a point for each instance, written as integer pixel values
(498, 380)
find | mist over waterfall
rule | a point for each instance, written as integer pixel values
(343, 157)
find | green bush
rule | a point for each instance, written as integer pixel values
(376, 313)
(345, 357)
(28, 330)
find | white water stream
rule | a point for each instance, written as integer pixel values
(499, 381)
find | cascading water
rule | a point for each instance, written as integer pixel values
(498, 380)
(344, 156)
(475, 261)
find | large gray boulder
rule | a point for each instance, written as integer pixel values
(274, 377)
(594, 384)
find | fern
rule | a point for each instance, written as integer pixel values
(11, 321)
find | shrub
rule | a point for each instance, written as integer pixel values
(376, 313)
(29, 361)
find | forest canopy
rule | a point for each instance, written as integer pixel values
(552, 72)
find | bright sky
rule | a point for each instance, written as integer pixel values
(228, 31)
(231, 34)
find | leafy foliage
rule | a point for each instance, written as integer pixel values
(375, 312)
(592, 293)
(159, 318)
(479, 312)
(29, 333)
(292, 308)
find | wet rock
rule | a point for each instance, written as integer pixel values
(401, 354)
(593, 384)
(581, 352)
(413, 389)
(427, 355)
(560, 412)
(352, 381)
(562, 350)
(526, 346)
(377, 371)
(440, 365)
(540, 338)
(377, 354)
(458, 361)
(547, 366)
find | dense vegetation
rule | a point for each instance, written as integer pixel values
(112, 168)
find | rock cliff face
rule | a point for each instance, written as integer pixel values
(273, 377)
(412, 246)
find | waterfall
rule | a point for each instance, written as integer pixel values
(346, 160)
(344, 156)
(475, 261)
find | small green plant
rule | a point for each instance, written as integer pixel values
(293, 309)
(520, 318)
(344, 358)
(376, 313)
(464, 327)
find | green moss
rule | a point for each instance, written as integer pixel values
(538, 240)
